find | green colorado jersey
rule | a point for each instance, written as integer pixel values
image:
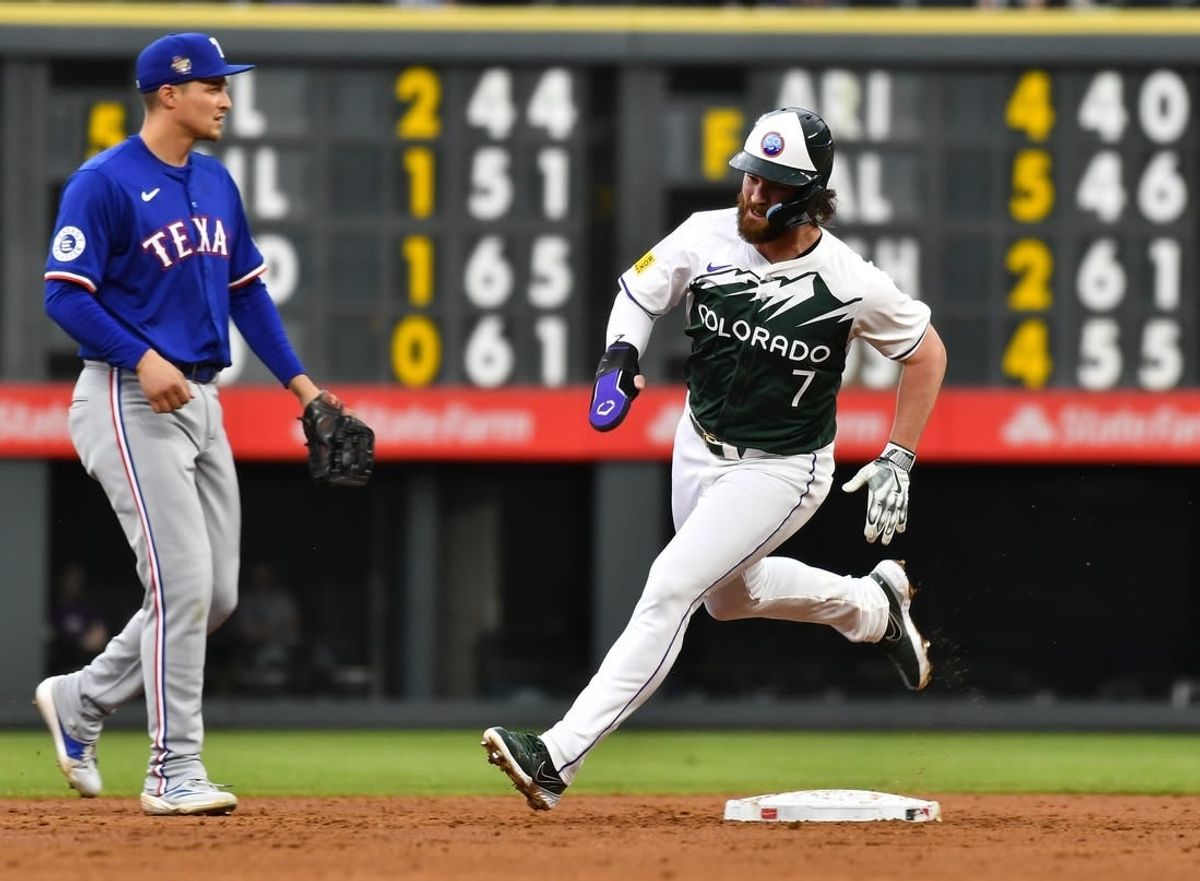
(769, 340)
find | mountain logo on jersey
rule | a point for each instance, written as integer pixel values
(175, 242)
(774, 300)
(776, 295)
(69, 243)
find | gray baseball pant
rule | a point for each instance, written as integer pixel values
(171, 481)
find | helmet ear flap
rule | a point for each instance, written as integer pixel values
(786, 215)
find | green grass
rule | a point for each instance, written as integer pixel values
(451, 762)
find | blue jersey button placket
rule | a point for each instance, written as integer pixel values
(206, 350)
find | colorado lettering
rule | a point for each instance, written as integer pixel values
(760, 337)
(173, 243)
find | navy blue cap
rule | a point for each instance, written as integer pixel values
(180, 58)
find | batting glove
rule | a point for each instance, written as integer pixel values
(886, 480)
(614, 389)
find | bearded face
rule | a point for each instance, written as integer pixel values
(752, 223)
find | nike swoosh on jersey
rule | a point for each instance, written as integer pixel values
(712, 268)
(146, 197)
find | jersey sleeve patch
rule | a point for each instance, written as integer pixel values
(69, 244)
(644, 263)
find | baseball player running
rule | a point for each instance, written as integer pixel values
(151, 257)
(773, 300)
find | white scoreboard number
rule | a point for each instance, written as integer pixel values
(488, 279)
(1119, 192)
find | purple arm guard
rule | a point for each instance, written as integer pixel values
(614, 390)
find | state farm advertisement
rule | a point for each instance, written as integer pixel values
(536, 424)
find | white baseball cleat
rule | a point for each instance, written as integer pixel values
(76, 759)
(188, 799)
(901, 642)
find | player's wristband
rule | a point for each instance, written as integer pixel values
(901, 457)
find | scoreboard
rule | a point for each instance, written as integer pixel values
(446, 197)
(1045, 213)
(1127, 155)
(422, 224)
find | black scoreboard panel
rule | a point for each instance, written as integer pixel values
(450, 223)
(1046, 214)
(422, 224)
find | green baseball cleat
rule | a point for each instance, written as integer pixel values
(901, 642)
(524, 758)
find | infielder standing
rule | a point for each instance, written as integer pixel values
(151, 257)
(773, 300)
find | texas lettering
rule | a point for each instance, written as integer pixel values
(176, 241)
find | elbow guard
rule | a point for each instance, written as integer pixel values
(614, 391)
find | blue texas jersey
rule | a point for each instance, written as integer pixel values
(160, 247)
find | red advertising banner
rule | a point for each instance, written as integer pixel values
(537, 424)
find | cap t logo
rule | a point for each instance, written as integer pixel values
(180, 58)
(772, 143)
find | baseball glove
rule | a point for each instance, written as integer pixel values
(341, 447)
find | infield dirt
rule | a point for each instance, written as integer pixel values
(592, 837)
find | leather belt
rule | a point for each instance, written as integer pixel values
(201, 372)
(722, 450)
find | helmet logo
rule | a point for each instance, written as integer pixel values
(772, 144)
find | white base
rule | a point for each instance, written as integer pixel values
(831, 805)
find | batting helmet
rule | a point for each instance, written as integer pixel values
(792, 147)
